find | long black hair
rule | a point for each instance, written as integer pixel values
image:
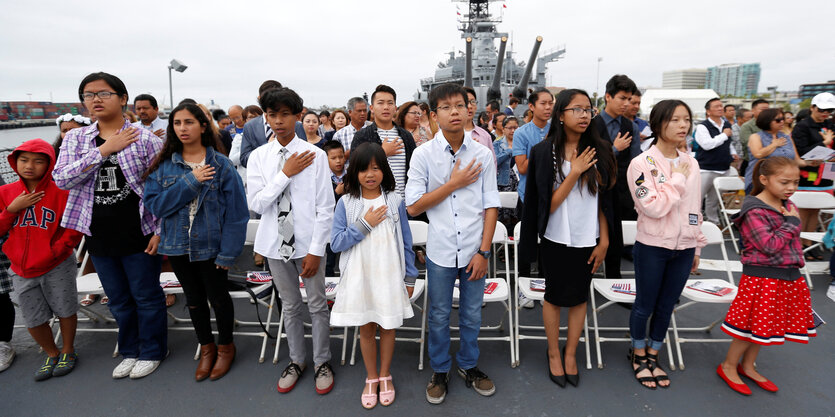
(360, 160)
(590, 138)
(661, 115)
(172, 143)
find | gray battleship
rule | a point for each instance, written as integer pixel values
(492, 72)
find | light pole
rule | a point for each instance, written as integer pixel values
(597, 86)
(176, 66)
(773, 90)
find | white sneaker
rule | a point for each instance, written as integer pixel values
(123, 368)
(143, 368)
(525, 301)
(829, 293)
(6, 355)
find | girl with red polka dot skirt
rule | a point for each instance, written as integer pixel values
(772, 304)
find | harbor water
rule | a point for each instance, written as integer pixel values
(11, 138)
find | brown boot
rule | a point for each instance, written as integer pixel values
(208, 354)
(225, 356)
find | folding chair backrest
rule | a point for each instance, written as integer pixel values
(630, 231)
(508, 199)
(251, 230)
(517, 230)
(420, 232)
(813, 200)
(728, 184)
(500, 234)
(714, 237)
(732, 172)
(712, 233)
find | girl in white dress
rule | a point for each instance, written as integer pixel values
(371, 230)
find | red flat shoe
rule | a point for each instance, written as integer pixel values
(740, 388)
(766, 385)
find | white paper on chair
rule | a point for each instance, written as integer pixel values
(828, 171)
(819, 153)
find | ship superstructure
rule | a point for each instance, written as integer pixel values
(492, 72)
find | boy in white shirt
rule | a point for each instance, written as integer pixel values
(288, 183)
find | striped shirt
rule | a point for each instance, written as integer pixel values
(78, 165)
(397, 162)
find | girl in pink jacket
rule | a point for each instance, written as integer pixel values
(666, 188)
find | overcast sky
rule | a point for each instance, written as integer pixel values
(329, 51)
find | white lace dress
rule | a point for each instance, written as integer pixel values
(372, 287)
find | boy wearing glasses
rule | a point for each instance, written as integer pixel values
(453, 180)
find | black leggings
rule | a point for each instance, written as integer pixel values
(203, 281)
(6, 318)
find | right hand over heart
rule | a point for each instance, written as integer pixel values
(204, 173)
(24, 200)
(463, 177)
(682, 168)
(375, 216)
(622, 142)
(297, 162)
(119, 141)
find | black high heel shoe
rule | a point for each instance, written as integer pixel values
(557, 379)
(572, 379)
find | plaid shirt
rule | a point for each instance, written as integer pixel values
(769, 238)
(78, 165)
(5, 264)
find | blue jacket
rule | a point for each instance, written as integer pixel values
(504, 159)
(347, 233)
(219, 227)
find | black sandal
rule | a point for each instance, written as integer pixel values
(643, 365)
(652, 361)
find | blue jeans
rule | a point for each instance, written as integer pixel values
(440, 284)
(660, 276)
(136, 302)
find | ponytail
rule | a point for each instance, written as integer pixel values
(768, 167)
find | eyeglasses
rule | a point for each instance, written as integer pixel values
(104, 95)
(778, 120)
(415, 113)
(459, 107)
(579, 111)
(473, 102)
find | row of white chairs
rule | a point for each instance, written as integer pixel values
(502, 295)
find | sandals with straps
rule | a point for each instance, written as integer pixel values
(370, 400)
(387, 394)
(643, 365)
(652, 362)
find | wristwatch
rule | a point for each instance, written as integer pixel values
(484, 253)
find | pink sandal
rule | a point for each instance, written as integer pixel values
(370, 400)
(386, 395)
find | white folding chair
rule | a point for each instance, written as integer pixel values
(523, 285)
(604, 287)
(501, 294)
(812, 200)
(724, 185)
(714, 237)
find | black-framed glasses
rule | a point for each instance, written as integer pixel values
(104, 95)
(473, 102)
(579, 111)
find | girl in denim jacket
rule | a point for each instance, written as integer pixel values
(201, 202)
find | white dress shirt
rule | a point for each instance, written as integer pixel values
(311, 196)
(456, 224)
(155, 125)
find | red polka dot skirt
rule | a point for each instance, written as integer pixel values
(769, 311)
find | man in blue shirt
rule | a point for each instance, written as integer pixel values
(453, 180)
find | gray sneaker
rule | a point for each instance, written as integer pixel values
(289, 377)
(66, 363)
(7, 355)
(480, 382)
(525, 302)
(45, 371)
(124, 367)
(324, 378)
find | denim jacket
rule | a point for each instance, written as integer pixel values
(219, 227)
(504, 159)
